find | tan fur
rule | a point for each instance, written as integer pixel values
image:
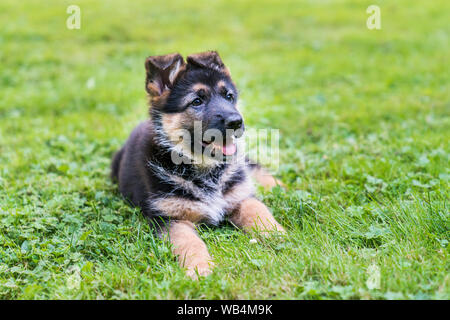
(171, 123)
(153, 89)
(220, 84)
(182, 209)
(227, 72)
(190, 249)
(265, 179)
(200, 86)
(253, 215)
(158, 101)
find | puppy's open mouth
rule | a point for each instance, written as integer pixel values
(227, 149)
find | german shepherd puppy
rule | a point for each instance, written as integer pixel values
(186, 180)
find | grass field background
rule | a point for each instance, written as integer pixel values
(364, 122)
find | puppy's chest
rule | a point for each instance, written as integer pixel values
(207, 199)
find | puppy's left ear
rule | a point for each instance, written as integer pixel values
(208, 59)
(161, 72)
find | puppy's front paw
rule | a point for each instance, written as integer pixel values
(202, 270)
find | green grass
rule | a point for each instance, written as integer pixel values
(364, 118)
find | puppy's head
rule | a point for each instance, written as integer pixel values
(194, 104)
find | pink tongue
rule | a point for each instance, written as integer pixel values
(229, 150)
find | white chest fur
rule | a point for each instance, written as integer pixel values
(212, 206)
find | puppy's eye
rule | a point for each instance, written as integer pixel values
(196, 102)
(229, 97)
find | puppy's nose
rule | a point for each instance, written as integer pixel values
(233, 121)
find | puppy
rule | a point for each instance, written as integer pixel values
(177, 173)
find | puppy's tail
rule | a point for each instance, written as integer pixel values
(115, 166)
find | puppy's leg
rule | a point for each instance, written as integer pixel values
(252, 215)
(264, 178)
(190, 249)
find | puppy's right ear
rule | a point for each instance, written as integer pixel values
(161, 72)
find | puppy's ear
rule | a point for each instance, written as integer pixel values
(208, 59)
(161, 72)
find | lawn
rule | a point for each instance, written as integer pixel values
(364, 118)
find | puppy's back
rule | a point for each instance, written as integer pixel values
(129, 164)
